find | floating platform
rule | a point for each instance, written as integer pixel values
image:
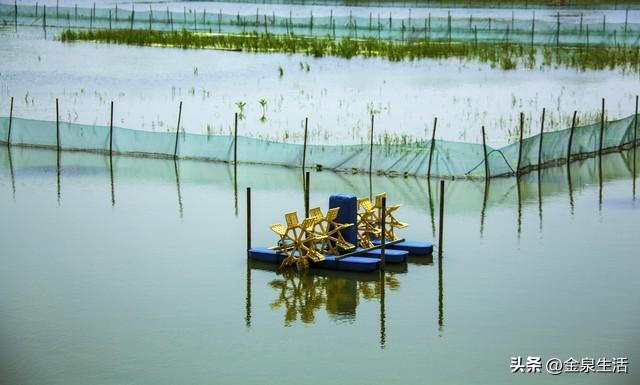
(353, 263)
(390, 255)
(411, 247)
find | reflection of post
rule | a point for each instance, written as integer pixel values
(247, 316)
(635, 144)
(175, 166)
(441, 221)
(571, 205)
(599, 160)
(540, 197)
(113, 190)
(519, 193)
(13, 178)
(383, 331)
(235, 189)
(484, 206)
(440, 295)
(431, 209)
(58, 174)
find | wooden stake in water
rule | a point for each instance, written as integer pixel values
(601, 130)
(432, 146)
(304, 145)
(383, 233)
(487, 175)
(10, 122)
(175, 149)
(306, 194)
(441, 222)
(520, 144)
(111, 131)
(57, 127)
(15, 14)
(573, 126)
(235, 139)
(248, 220)
(44, 20)
(541, 139)
(371, 147)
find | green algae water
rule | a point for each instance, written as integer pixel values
(135, 271)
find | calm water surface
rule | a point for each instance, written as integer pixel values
(137, 274)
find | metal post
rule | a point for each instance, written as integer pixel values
(248, 220)
(371, 147)
(304, 146)
(11, 121)
(235, 140)
(635, 123)
(383, 235)
(175, 149)
(441, 223)
(306, 194)
(601, 129)
(541, 136)
(520, 144)
(487, 175)
(111, 131)
(57, 127)
(433, 146)
(573, 126)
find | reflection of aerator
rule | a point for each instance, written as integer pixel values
(348, 237)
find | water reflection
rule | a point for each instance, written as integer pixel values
(13, 177)
(463, 196)
(180, 209)
(58, 154)
(302, 294)
(111, 181)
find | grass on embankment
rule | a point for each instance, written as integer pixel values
(501, 54)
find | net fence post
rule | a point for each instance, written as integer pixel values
(57, 127)
(601, 130)
(175, 149)
(520, 144)
(441, 219)
(10, 122)
(235, 139)
(432, 146)
(573, 126)
(111, 131)
(304, 146)
(541, 138)
(487, 174)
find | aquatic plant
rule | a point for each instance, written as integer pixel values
(504, 55)
(241, 106)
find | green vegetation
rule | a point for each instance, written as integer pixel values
(499, 54)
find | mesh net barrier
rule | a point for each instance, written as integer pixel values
(570, 29)
(449, 159)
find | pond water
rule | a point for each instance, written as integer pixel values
(337, 95)
(137, 273)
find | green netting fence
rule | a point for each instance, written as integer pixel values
(565, 30)
(449, 159)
